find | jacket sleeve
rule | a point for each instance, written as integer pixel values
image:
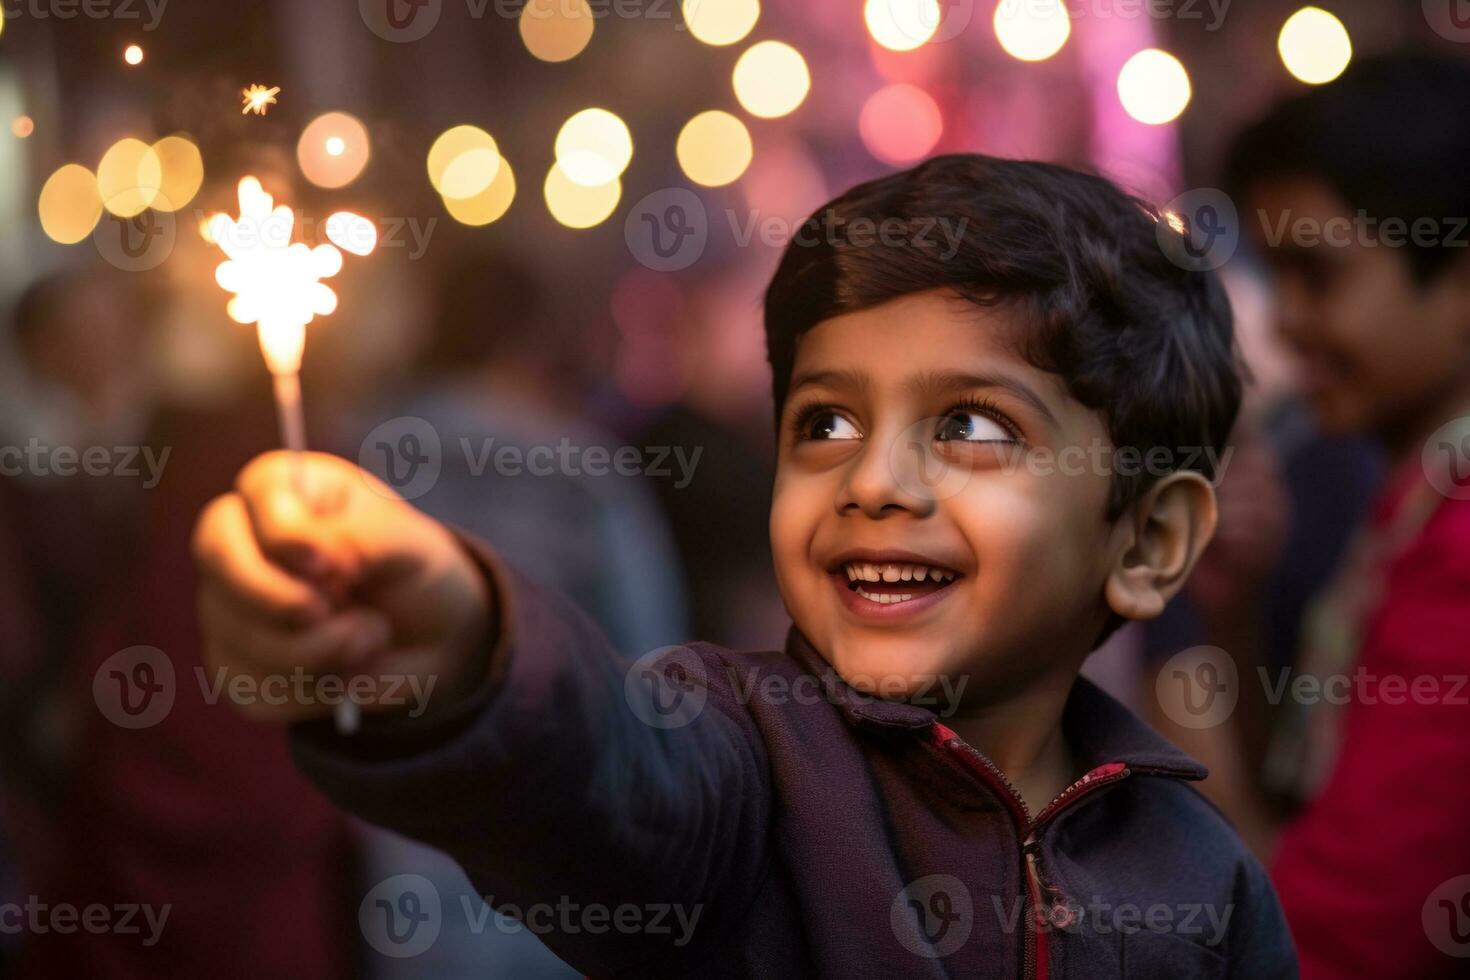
(1363, 871)
(1261, 945)
(632, 799)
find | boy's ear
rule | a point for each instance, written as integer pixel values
(1156, 542)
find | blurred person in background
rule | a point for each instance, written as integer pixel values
(478, 442)
(106, 808)
(1357, 196)
(709, 347)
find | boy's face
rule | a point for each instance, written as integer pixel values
(901, 454)
(1374, 348)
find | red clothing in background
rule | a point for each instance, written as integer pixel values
(1391, 824)
(202, 812)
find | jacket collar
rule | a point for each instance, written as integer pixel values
(1099, 728)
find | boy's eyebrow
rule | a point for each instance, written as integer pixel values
(942, 381)
(834, 378)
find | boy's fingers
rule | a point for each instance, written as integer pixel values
(227, 551)
(291, 530)
(244, 638)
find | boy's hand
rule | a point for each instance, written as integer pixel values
(348, 581)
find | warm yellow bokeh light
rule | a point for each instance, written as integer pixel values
(129, 178)
(463, 162)
(593, 147)
(771, 79)
(1314, 46)
(714, 148)
(1032, 30)
(556, 30)
(333, 131)
(133, 55)
(70, 205)
(2, 20)
(1154, 87)
(22, 127)
(576, 205)
(183, 172)
(490, 204)
(721, 22)
(902, 25)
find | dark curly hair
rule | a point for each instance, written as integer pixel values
(1144, 341)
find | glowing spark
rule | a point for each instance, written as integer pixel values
(277, 283)
(257, 98)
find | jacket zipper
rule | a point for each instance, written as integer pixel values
(1052, 897)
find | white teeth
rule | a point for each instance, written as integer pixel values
(882, 598)
(860, 571)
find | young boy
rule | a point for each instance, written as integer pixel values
(993, 450)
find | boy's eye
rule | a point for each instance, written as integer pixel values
(830, 425)
(972, 427)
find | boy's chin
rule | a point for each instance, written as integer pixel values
(893, 667)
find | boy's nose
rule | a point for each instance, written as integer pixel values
(894, 472)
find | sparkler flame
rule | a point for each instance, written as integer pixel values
(257, 98)
(277, 283)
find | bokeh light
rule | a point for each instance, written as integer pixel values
(900, 123)
(902, 25)
(352, 233)
(1032, 30)
(721, 22)
(714, 148)
(556, 30)
(1154, 87)
(129, 178)
(463, 162)
(329, 131)
(577, 205)
(182, 169)
(22, 127)
(593, 147)
(488, 205)
(771, 79)
(133, 54)
(1314, 46)
(70, 205)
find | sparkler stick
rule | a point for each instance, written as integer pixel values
(278, 287)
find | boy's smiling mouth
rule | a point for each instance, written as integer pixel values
(890, 584)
